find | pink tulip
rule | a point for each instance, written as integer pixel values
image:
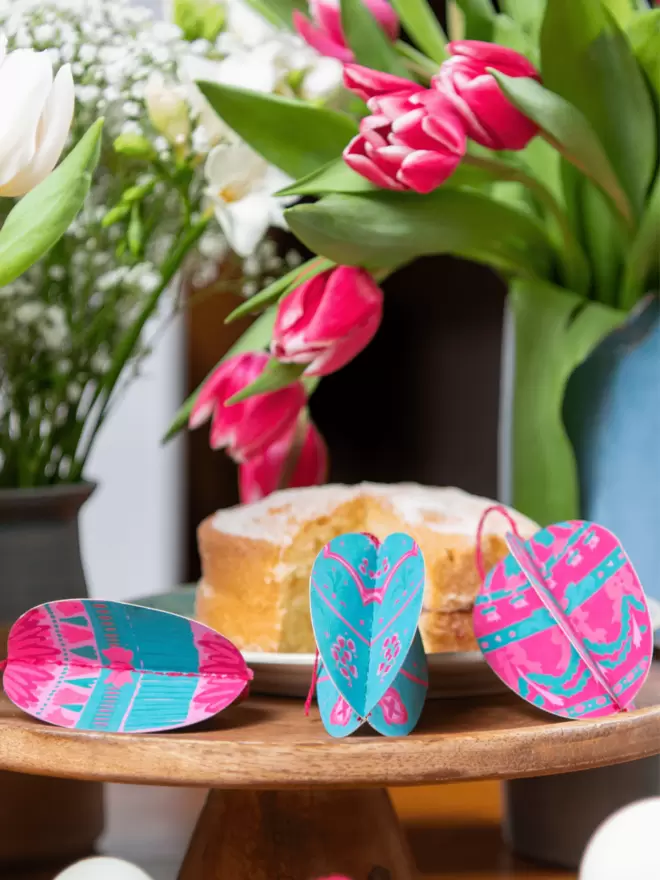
(248, 428)
(489, 117)
(259, 477)
(328, 320)
(414, 138)
(368, 83)
(325, 33)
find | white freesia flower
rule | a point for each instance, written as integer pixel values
(323, 80)
(241, 186)
(35, 117)
(167, 108)
(245, 23)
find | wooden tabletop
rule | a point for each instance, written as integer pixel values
(268, 743)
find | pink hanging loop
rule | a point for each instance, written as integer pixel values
(479, 553)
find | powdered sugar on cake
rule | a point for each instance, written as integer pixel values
(444, 510)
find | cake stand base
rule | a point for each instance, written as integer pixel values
(259, 835)
(550, 819)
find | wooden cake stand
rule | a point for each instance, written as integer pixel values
(288, 801)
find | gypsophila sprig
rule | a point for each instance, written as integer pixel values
(77, 325)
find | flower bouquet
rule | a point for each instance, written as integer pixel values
(525, 139)
(175, 189)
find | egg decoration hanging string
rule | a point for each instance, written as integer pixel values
(479, 553)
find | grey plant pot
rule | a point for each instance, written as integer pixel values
(39, 562)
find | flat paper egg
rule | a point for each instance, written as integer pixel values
(625, 846)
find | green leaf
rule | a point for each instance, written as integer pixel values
(255, 338)
(643, 259)
(569, 130)
(479, 19)
(370, 45)
(335, 177)
(603, 242)
(279, 12)
(297, 137)
(276, 375)
(644, 34)
(555, 331)
(623, 11)
(279, 288)
(416, 62)
(510, 33)
(588, 61)
(42, 217)
(528, 14)
(386, 229)
(423, 27)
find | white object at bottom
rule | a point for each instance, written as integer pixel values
(625, 846)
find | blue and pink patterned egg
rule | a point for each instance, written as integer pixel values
(113, 667)
(563, 621)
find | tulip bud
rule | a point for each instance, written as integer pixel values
(261, 476)
(136, 146)
(37, 111)
(199, 19)
(168, 109)
(135, 231)
(326, 321)
(248, 428)
(489, 117)
(114, 215)
(324, 32)
(414, 140)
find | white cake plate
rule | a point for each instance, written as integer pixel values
(459, 674)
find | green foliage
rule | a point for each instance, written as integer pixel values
(275, 375)
(586, 58)
(479, 19)
(42, 217)
(385, 229)
(422, 26)
(371, 46)
(644, 34)
(569, 131)
(296, 137)
(556, 330)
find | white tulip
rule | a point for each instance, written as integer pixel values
(35, 117)
(103, 868)
(241, 186)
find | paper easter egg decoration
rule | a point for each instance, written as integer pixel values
(563, 621)
(113, 667)
(365, 601)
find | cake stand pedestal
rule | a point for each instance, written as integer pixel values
(288, 801)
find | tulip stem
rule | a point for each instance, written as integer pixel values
(417, 62)
(575, 264)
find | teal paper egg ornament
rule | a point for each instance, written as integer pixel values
(117, 668)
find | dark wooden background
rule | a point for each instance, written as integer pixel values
(419, 404)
